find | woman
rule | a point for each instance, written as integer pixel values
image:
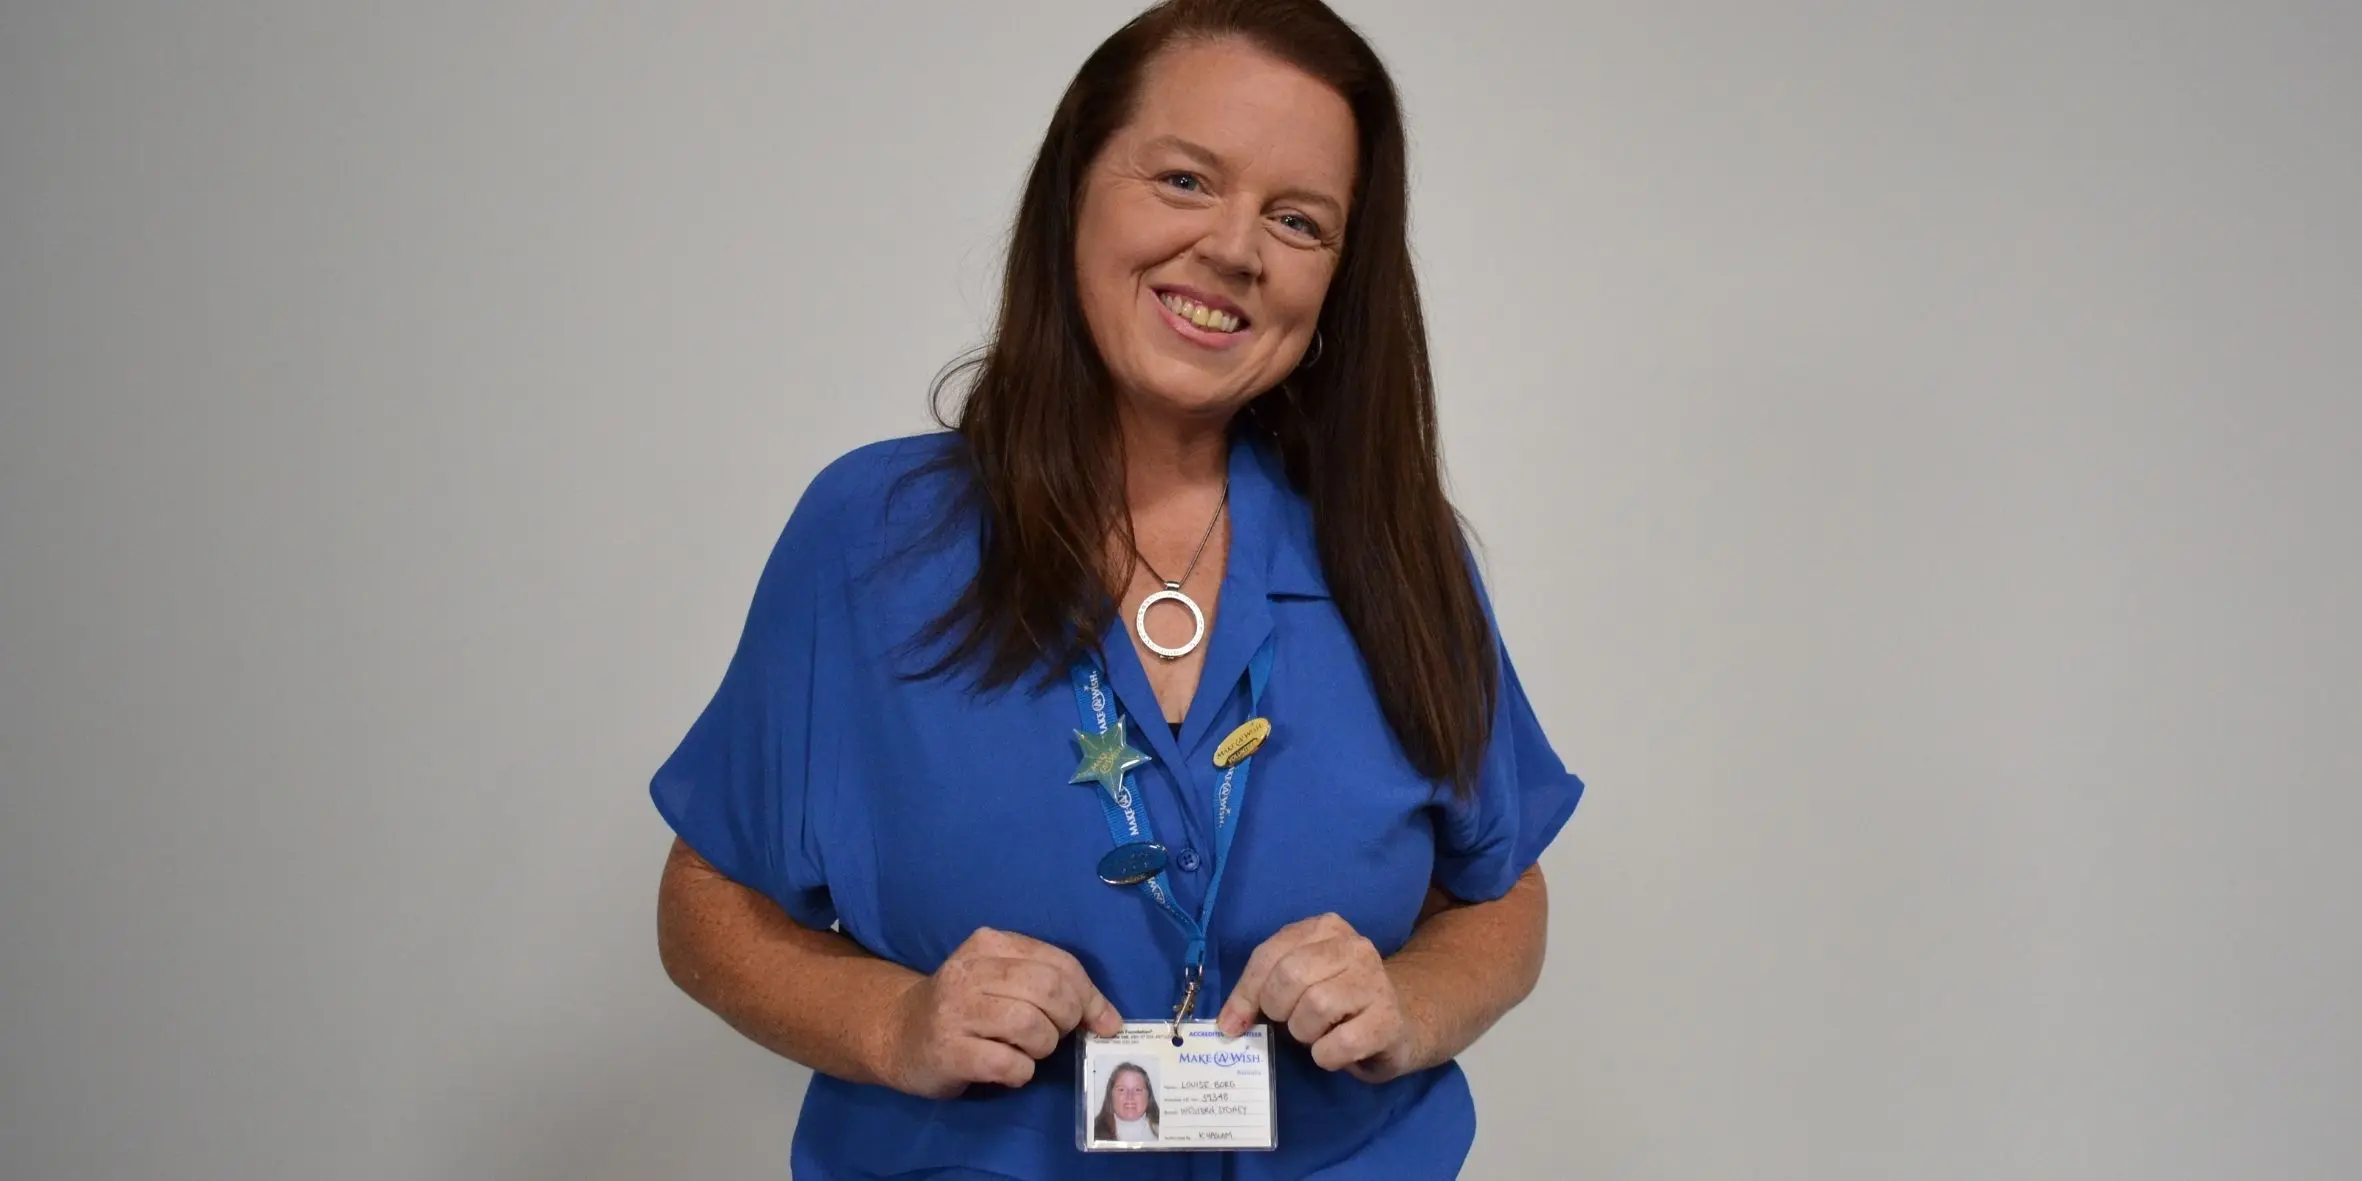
(1127, 1112)
(1207, 399)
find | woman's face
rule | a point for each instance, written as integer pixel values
(1210, 226)
(1131, 1094)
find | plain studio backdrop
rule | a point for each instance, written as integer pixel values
(1916, 450)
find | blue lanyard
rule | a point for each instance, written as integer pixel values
(1128, 822)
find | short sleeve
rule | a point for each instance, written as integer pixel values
(739, 787)
(1524, 795)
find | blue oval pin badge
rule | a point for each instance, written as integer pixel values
(1132, 864)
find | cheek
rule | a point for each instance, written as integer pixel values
(1110, 254)
(1297, 291)
(1123, 235)
(1093, 261)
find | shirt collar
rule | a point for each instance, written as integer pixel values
(1271, 556)
(1272, 523)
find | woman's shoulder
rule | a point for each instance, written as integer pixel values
(898, 500)
(874, 477)
(890, 492)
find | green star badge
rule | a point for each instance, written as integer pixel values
(1106, 757)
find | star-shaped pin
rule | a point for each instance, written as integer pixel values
(1106, 757)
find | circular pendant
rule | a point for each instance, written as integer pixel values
(1132, 864)
(1171, 594)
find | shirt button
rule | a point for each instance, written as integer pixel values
(1187, 860)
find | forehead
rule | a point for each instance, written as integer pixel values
(1258, 113)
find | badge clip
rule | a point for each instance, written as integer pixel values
(1188, 1005)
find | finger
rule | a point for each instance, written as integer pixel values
(1246, 996)
(1013, 1023)
(1027, 947)
(983, 941)
(1326, 1005)
(1100, 1017)
(1307, 966)
(1092, 1009)
(983, 1060)
(1366, 1036)
(1057, 994)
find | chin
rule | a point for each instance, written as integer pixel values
(1193, 407)
(1198, 398)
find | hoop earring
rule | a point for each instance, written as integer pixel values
(1314, 359)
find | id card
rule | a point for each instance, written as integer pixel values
(1138, 1092)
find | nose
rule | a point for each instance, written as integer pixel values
(1229, 244)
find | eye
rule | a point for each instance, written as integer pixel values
(1187, 182)
(1300, 224)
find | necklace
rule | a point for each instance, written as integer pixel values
(1174, 594)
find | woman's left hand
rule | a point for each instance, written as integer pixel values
(1329, 986)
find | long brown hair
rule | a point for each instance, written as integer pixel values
(1356, 430)
(1103, 1127)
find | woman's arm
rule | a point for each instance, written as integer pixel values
(1000, 1003)
(1465, 964)
(812, 996)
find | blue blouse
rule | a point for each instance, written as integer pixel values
(910, 812)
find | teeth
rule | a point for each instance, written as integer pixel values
(1201, 315)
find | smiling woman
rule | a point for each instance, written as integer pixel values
(1231, 178)
(1127, 1108)
(1194, 477)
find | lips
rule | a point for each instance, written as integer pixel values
(1204, 314)
(1205, 320)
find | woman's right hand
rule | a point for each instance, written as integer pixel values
(1001, 1003)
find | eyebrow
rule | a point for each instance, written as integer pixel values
(1208, 157)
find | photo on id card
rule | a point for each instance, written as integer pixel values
(1138, 1092)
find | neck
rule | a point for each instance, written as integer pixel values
(1170, 456)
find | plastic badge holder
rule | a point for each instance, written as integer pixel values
(1210, 1093)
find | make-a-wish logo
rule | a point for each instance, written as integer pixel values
(1223, 1058)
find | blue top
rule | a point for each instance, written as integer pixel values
(911, 812)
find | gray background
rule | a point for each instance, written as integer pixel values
(1916, 447)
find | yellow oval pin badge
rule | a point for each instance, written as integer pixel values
(1242, 742)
